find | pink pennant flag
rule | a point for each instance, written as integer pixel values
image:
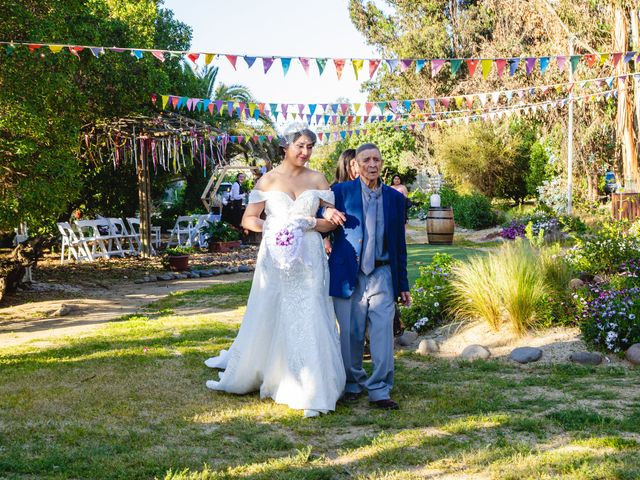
(158, 54)
(368, 107)
(232, 60)
(305, 64)
(344, 107)
(561, 60)
(301, 108)
(320, 135)
(266, 63)
(436, 66)
(500, 64)
(445, 102)
(616, 58)
(373, 66)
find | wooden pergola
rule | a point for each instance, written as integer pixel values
(162, 139)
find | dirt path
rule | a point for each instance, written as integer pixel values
(36, 322)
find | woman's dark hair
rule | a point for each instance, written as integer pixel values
(288, 138)
(343, 165)
(394, 177)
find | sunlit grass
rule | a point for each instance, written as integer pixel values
(128, 401)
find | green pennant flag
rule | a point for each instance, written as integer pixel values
(455, 66)
(10, 49)
(321, 64)
(575, 59)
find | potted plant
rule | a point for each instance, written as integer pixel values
(177, 258)
(222, 237)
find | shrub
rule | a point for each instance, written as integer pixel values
(429, 295)
(221, 232)
(470, 211)
(605, 250)
(518, 284)
(610, 319)
(178, 251)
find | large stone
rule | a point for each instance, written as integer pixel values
(575, 283)
(586, 358)
(215, 272)
(633, 354)
(475, 352)
(206, 273)
(244, 268)
(166, 277)
(427, 346)
(63, 310)
(407, 338)
(525, 354)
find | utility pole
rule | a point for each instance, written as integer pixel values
(570, 133)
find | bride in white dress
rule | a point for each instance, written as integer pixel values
(288, 345)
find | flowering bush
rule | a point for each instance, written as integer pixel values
(429, 295)
(540, 220)
(553, 194)
(610, 319)
(606, 250)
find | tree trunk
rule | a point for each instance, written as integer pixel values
(624, 117)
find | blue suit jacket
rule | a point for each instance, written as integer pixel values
(346, 251)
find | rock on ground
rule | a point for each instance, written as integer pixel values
(427, 346)
(525, 354)
(407, 338)
(586, 358)
(475, 352)
(633, 354)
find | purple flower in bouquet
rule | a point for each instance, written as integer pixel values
(284, 237)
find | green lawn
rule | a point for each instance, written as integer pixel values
(129, 402)
(421, 254)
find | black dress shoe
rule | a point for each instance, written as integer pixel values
(386, 404)
(350, 397)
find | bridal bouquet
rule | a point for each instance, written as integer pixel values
(284, 239)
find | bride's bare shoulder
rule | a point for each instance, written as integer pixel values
(318, 180)
(265, 182)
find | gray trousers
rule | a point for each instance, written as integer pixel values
(372, 302)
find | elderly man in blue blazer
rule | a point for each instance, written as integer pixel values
(368, 266)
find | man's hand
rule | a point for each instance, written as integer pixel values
(405, 299)
(334, 216)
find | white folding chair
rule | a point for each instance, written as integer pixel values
(125, 238)
(71, 244)
(180, 234)
(199, 233)
(94, 242)
(134, 229)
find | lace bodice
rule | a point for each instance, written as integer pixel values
(280, 204)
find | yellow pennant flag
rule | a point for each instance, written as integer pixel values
(56, 48)
(165, 100)
(603, 58)
(208, 58)
(357, 66)
(294, 115)
(485, 64)
(458, 102)
(252, 108)
(358, 118)
(356, 107)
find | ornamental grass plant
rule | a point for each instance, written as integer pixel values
(512, 285)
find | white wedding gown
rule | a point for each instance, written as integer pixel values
(288, 345)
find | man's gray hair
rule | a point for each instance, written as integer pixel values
(366, 146)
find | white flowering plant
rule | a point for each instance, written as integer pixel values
(605, 250)
(429, 295)
(609, 318)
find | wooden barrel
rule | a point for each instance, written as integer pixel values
(440, 225)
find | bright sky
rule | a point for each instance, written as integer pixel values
(283, 28)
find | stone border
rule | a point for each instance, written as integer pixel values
(203, 273)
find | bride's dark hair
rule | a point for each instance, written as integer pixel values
(294, 132)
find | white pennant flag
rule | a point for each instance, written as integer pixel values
(495, 98)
